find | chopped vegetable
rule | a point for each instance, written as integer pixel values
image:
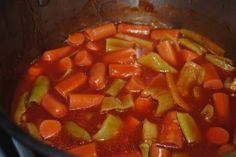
(233, 85)
(64, 64)
(192, 46)
(113, 44)
(110, 127)
(134, 29)
(162, 34)
(135, 84)
(123, 70)
(115, 87)
(222, 106)
(93, 46)
(189, 127)
(40, 88)
(144, 147)
(208, 112)
(150, 131)
(83, 58)
(180, 154)
(55, 54)
(226, 148)
(66, 73)
(132, 154)
(49, 128)
(227, 83)
(34, 71)
(197, 92)
(33, 131)
(127, 101)
(21, 108)
(77, 132)
(219, 62)
(217, 135)
(131, 124)
(156, 63)
(88, 150)
(76, 39)
(191, 74)
(159, 152)
(97, 79)
(143, 105)
(187, 55)
(141, 42)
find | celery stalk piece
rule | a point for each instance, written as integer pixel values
(110, 127)
(219, 62)
(179, 154)
(192, 46)
(153, 61)
(150, 131)
(77, 132)
(141, 42)
(208, 112)
(40, 88)
(115, 87)
(127, 101)
(145, 148)
(113, 44)
(189, 127)
(33, 131)
(216, 49)
(190, 74)
(21, 108)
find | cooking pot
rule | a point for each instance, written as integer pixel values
(28, 27)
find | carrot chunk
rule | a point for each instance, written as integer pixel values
(221, 103)
(134, 29)
(217, 135)
(159, 152)
(161, 34)
(83, 101)
(55, 54)
(123, 70)
(226, 148)
(88, 150)
(132, 154)
(49, 128)
(135, 84)
(76, 39)
(34, 71)
(92, 46)
(187, 55)
(143, 105)
(83, 58)
(70, 83)
(64, 64)
(97, 78)
(100, 32)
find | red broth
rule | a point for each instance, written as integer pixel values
(129, 90)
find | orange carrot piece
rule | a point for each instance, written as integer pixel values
(159, 152)
(49, 128)
(92, 46)
(158, 81)
(187, 55)
(64, 64)
(212, 79)
(83, 101)
(167, 52)
(132, 154)
(100, 32)
(163, 33)
(143, 105)
(70, 83)
(226, 148)
(53, 106)
(171, 132)
(88, 150)
(97, 79)
(217, 135)
(76, 39)
(55, 54)
(221, 103)
(122, 56)
(123, 70)
(134, 29)
(135, 84)
(131, 124)
(83, 58)
(34, 71)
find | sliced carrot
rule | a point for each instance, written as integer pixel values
(64, 64)
(76, 39)
(92, 46)
(226, 148)
(53, 106)
(49, 128)
(83, 58)
(131, 124)
(132, 154)
(88, 150)
(100, 32)
(123, 70)
(134, 29)
(70, 83)
(34, 71)
(83, 101)
(158, 81)
(167, 52)
(212, 79)
(171, 133)
(97, 79)
(187, 55)
(221, 103)
(217, 135)
(122, 56)
(160, 34)
(55, 54)
(159, 152)
(143, 105)
(135, 84)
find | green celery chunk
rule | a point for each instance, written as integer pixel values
(189, 127)
(153, 61)
(219, 62)
(127, 101)
(33, 131)
(208, 112)
(190, 74)
(40, 88)
(197, 92)
(227, 83)
(150, 131)
(145, 148)
(21, 108)
(179, 154)
(113, 44)
(165, 103)
(141, 42)
(192, 46)
(110, 127)
(77, 132)
(115, 87)
(203, 41)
